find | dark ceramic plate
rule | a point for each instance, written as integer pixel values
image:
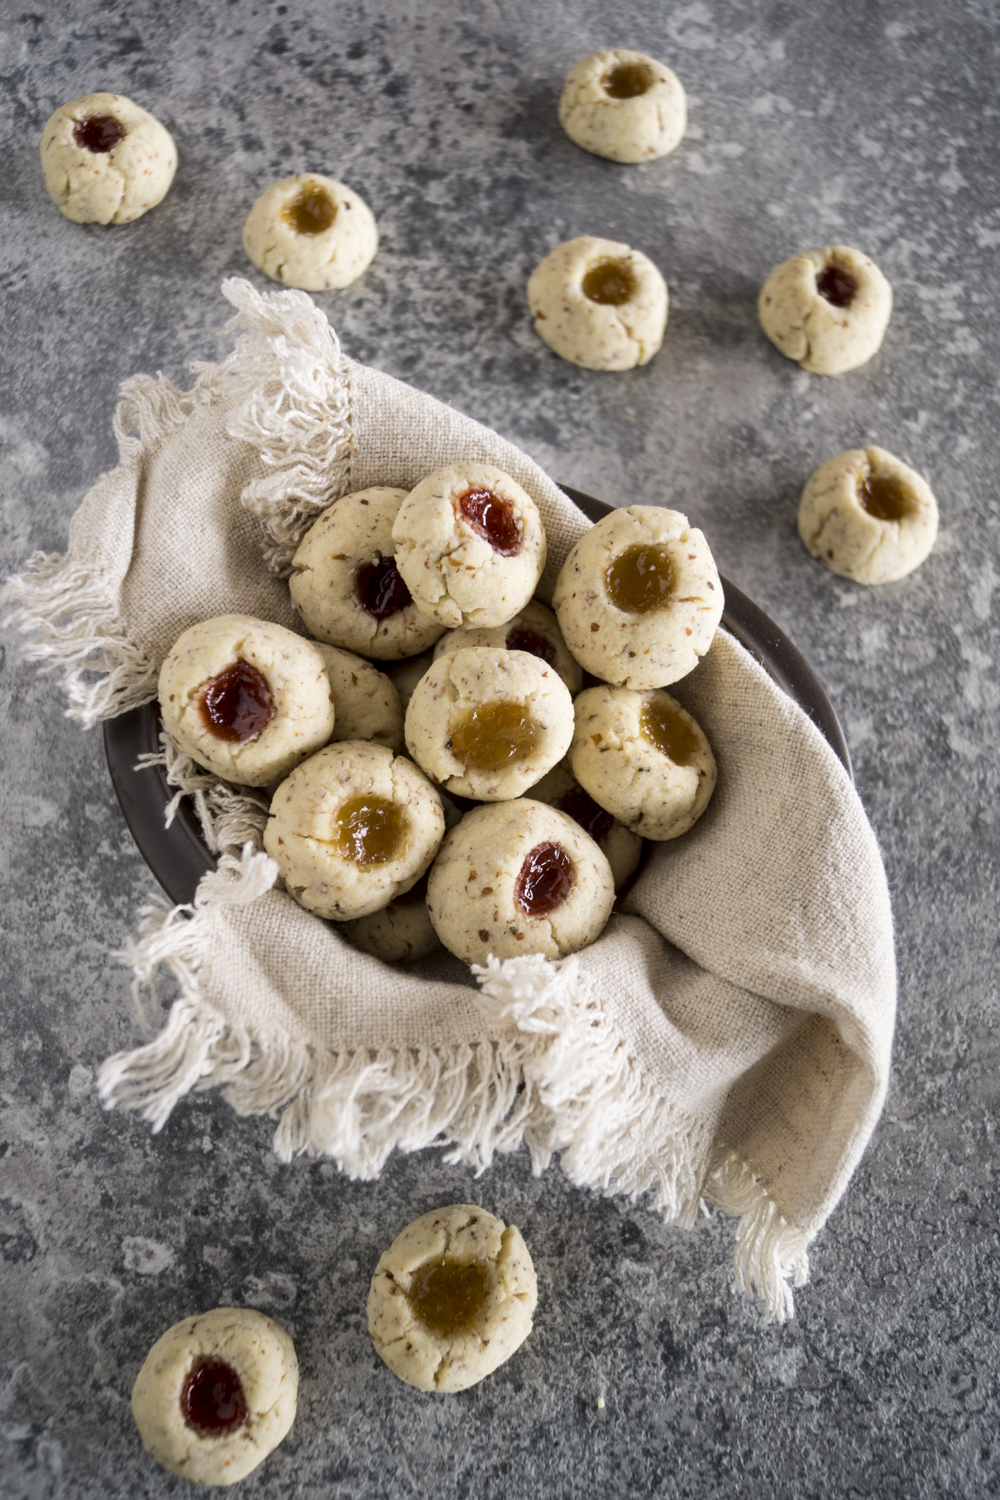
(177, 855)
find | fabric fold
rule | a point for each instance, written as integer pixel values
(726, 1040)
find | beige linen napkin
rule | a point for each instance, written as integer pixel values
(725, 1040)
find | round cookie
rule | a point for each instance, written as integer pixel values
(623, 105)
(346, 586)
(639, 597)
(621, 848)
(245, 698)
(470, 545)
(452, 1298)
(216, 1394)
(518, 877)
(599, 304)
(643, 759)
(488, 724)
(828, 309)
(353, 827)
(311, 232)
(866, 515)
(105, 160)
(365, 701)
(534, 629)
(401, 932)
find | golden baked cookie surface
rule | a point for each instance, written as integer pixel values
(216, 1394)
(623, 105)
(599, 303)
(868, 516)
(345, 583)
(312, 232)
(106, 160)
(452, 1298)
(519, 877)
(828, 309)
(639, 597)
(470, 545)
(352, 827)
(245, 698)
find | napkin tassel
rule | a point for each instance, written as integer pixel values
(771, 1254)
(554, 1075)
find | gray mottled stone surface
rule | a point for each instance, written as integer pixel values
(871, 123)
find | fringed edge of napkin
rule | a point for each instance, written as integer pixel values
(229, 816)
(286, 379)
(771, 1254)
(554, 1075)
(66, 602)
(67, 606)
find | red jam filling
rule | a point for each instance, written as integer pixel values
(100, 133)
(212, 1399)
(839, 287)
(527, 640)
(581, 807)
(380, 588)
(493, 518)
(237, 704)
(544, 880)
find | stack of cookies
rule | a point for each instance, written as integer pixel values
(542, 747)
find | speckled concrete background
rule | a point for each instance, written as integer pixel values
(872, 123)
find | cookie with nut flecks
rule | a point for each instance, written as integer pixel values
(828, 309)
(639, 597)
(216, 1394)
(488, 723)
(353, 827)
(346, 586)
(623, 105)
(365, 700)
(470, 545)
(599, 304)
(868, 516)
(106, 160)
(245, 698)
(516, 878)
(312, 232)
(643, 758)
(452, 1298)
